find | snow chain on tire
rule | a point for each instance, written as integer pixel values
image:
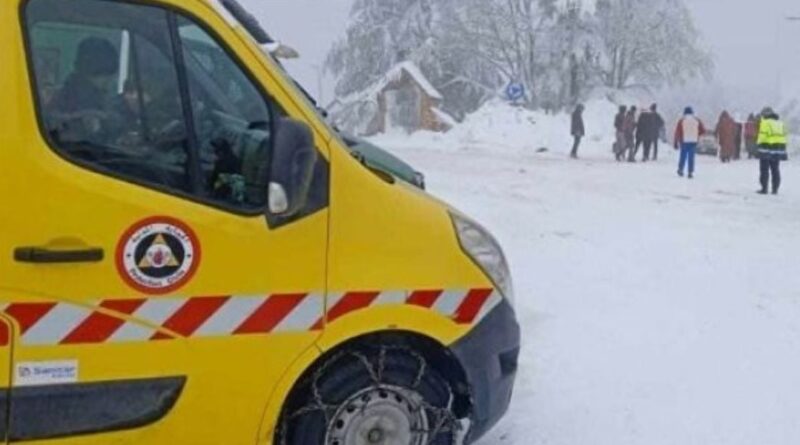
(443, 420)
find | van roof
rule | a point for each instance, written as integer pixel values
(238, 15)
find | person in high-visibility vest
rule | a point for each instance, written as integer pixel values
(772, 142)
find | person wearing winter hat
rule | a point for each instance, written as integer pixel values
(772, 141)
(87, 87)
(82, 104)
(687, 136)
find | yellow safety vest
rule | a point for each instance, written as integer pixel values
(772, 132)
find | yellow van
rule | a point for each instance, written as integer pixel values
(191, 256)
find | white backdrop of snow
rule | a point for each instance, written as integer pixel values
(500, 127)
(655, 310)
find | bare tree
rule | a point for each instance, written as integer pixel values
(647, 43)
(498, 39)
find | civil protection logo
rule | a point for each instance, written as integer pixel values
(158, 255)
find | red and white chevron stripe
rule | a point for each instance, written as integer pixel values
(164, 318)
(464, 307)
(148, 319)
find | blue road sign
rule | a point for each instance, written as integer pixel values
(515, 91)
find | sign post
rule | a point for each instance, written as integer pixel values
(515, 92)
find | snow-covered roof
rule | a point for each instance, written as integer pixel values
(413, 70)
(393, 75)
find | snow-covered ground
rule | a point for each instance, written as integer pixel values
(655, 310)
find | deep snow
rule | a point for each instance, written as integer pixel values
(655, 310)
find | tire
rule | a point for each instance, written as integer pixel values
(371, 395)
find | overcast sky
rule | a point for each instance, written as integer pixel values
(751, 39)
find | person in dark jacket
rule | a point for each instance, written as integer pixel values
(639, 134)
(772, 142)
(648, 130)
(86, 88)
(578, 130)
(79, 111)
(655, 131)
(619, 126)
(629, 129)
(751, 136)
(738, 141)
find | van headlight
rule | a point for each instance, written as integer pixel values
(485, 251)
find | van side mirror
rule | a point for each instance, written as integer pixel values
(292, 169)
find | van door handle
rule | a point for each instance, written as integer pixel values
(41, 255)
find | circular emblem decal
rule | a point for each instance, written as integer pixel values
(158, 255)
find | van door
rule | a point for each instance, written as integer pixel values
(146, 282)
(5, 376)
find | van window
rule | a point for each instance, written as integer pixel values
(231, 117)
(145, 94)
(108, 88)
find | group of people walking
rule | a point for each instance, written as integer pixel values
(637, 130)
(765, 137)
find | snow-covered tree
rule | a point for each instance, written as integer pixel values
(490, 43)
(560, 50)
(569, 60)
(381, 34)
(647, 43)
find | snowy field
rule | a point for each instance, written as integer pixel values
(655, 310)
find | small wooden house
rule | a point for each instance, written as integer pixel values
(403, 99)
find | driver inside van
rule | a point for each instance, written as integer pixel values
(80, 107)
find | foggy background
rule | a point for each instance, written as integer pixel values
(756, 48)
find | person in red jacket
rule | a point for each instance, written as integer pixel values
(687, 136)
(726, 135)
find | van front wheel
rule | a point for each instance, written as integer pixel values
(372, 395)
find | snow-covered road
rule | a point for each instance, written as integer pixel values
(655, 310)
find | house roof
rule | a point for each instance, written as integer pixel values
(393, 75)
(413, 70)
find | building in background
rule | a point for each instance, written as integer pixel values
(403, 99)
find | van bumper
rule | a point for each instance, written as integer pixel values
(489, 357)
